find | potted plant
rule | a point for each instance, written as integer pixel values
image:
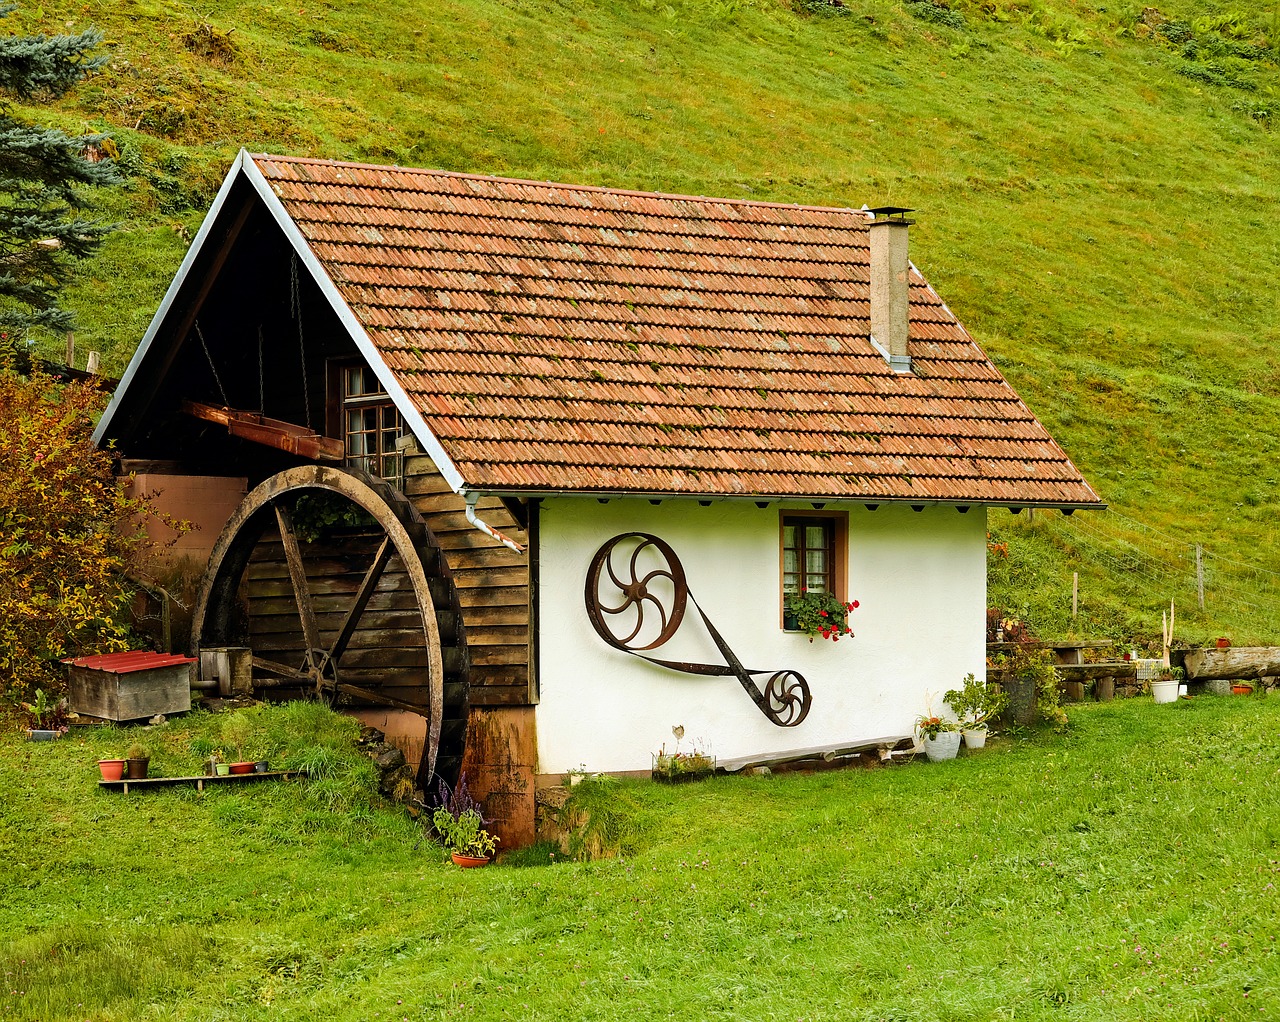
(976, 704)
(460, 824)
(137, 759)
(941, 737)
(469, 844)
(111, 769)
(47, 717)
(817, 614)
(237, 733)
(1164, 686)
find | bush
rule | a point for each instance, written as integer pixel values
(68, 531)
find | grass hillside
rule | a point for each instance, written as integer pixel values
(1097, 191)
(1125, 870)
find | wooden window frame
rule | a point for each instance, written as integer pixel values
(839, 554)
(337, 404)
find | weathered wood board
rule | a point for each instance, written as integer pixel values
(1229, 664)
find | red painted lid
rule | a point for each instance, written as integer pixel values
(127, 663)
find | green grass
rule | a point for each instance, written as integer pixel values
(1123, 870)
(1097, 193)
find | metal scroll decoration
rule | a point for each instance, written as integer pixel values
(647, 609)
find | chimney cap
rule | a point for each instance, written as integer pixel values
(882, 213)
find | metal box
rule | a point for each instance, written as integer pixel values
(130, 686)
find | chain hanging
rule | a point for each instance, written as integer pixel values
(262, 379)
(296, 301)
(212, 368)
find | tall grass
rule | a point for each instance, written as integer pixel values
(1096, 184)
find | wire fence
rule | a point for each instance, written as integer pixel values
(1139, 558)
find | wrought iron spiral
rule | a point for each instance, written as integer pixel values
(785, 699)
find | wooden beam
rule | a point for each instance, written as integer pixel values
(298, 575)
(362, 599)
(257, 428)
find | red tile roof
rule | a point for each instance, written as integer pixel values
(128, 663)
(568, 338)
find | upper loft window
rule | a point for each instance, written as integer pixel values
(370, 422)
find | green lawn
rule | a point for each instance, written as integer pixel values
(1124, 870)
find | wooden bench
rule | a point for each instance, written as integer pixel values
(199, 780)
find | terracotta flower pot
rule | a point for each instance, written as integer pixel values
(1241, 690)
(112, 769)
(1224, 643)
(468, 861)
(245, 767)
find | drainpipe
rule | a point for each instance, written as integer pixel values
(484, 527)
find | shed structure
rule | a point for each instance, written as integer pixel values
(466, 407)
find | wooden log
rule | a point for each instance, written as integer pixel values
(1236, 662)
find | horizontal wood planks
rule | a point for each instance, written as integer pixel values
(492, 584)
(386, 652)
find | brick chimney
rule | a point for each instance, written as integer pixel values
(890, 270)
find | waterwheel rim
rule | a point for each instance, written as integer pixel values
(272, 499)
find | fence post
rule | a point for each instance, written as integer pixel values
(1200, 574)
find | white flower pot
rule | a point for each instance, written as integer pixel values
(945, 746)
(975, 738)
(1164, 691)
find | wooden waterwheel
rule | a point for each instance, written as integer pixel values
(362, 615)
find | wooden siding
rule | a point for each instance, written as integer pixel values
(386, 652)
(492, 583)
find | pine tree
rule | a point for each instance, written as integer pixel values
(44, 172)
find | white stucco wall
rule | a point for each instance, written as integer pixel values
(920, 578)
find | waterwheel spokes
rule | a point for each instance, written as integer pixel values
(363, 594)
(297, 575)
(281, 670)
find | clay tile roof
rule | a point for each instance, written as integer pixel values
(565, 338)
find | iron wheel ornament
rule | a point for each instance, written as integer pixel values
(663, 592)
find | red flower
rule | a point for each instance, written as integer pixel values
(823, 613)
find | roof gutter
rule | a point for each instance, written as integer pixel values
(471, 497)
(1015, 506)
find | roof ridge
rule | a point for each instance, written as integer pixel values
(634, 192)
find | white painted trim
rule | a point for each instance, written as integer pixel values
(412, 417)
(170, 296)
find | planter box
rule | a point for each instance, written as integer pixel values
(130, 686)
(680, 768)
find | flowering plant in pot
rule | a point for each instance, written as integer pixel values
(818, 614)
(941, 736)
(469, 844)
(460, 825)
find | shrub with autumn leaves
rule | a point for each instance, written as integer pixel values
(819, 614)
(67, 533)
